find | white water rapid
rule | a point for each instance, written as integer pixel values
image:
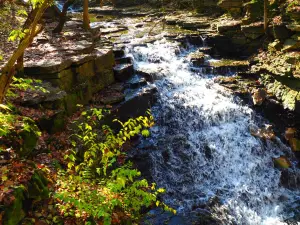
(204, 147)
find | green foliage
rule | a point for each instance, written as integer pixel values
(6, 123)
(100, 183)
(16, 35)
(23, 84)
(293, 5)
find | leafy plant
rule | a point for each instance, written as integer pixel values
(23, 84)
(100, 185)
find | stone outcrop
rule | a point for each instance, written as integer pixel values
(233, 6)
(79, 76)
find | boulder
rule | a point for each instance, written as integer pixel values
(136, 103)
(292, 43)
(290, 178)
(229, 27)
(282, 162)
(280, 32)
(196, 58)
(254, 11)
(259, 96)
(295, 144)
(234, 7)
(289, 133)
(123, 71)
(263, 133)
(253, 31)
(136, 82)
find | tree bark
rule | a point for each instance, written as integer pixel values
(86, 18)
(20, 61)
(63, 16)
(8, 71)
(266, 16)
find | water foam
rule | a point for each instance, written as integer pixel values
(205, 147)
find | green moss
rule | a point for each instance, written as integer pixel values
(15, 213)
(229, 63)
(24, 129)
(37, 187)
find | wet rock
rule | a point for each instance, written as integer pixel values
(225, 66)
(263, 133)
(123, 72)
(196, 58)
(259, 96)
(206, 50)
(290, 178)
(148, 73)
(295, 144)
(123, 60)
(289, 133)
(119, 53)
(136, 103)
(226, 80)
(282, 162)
(136, 82)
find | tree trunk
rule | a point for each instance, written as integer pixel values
(63, 16)
(86, 19)
(20, 61)
(8, 71)
(266, 16)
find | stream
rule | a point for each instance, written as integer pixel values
(202, 150)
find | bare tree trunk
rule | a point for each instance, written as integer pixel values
(20, 62)
(266, 16)
(63, 16)
(8, 71)
(86, 18)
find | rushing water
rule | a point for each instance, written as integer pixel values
(204, 147)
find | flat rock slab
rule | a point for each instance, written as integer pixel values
(47, 66)
(108, 97)
(113, 30)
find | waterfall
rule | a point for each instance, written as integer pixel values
(203, 147)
